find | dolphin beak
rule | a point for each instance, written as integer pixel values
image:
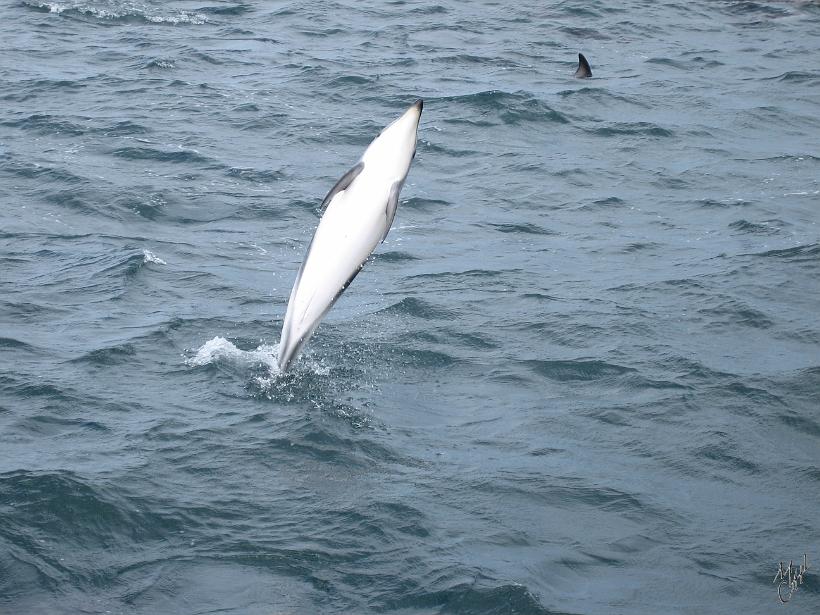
(418, 105)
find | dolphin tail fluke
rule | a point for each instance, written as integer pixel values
(289, 349)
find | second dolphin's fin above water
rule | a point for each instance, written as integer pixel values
(584, 71)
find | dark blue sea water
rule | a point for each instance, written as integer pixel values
(582, 375)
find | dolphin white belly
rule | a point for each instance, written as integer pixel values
(359, 211)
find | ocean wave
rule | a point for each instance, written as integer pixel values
(148, 153)
(800, 422)
(522, 229)
(468, 273)
(462, 59)
(49, 425)
(425, 358)
(150, 257)
(418, 308)
(226, 9)
(9, 343)
(47, 125)
(112, 355)
(796, 77)
(710, 203)
(256, 176)
(470, 598)
(604, 203)
(207, 58)
(809, 253)
(117, 10)
(161, 64)
(146, 205)
(507, 108)
(28, 311)
(599, 95)
(335, 444)
(394, 256)
(643, 129)
(640, 246)
(579, 369)
(801, 388)
(764, 228)
(74, 510)
(567, 492)
(424, 204)
(725, 455)
(757, 392)
(667, 62)
(435, 147)
(584, 33)
(102, 273)
(24, 388)
(477, 341)
(76, 199)
(41, 173)
(123, 128)
(746, 7)
(321, 32)
(127, 265)
(356, 81)
(734, 312)
(695, 373)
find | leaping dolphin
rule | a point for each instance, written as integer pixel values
(584, 70)
(358, 212)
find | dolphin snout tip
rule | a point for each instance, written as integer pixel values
(419, 104)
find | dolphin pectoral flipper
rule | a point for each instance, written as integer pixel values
(347, 283)
(392, 206)
(342, 184)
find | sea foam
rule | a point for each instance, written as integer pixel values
(220, 349)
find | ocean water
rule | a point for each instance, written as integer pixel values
(582, 375)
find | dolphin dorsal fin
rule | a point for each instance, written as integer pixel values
(584, 71)
(341, 185)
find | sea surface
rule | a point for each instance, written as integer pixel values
(581, 375)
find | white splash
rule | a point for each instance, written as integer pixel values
(150, 257)
(108, 9)
(220, 349)
(163, 64)
(196, 19)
